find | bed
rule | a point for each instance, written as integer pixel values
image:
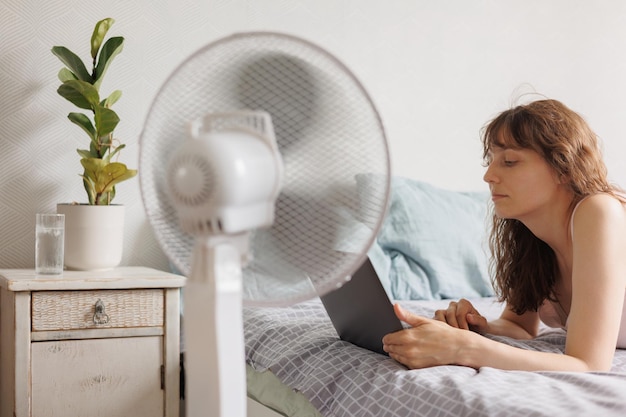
(431, 248)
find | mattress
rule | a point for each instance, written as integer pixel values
(299, 347)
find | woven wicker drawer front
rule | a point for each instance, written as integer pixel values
(69, 310)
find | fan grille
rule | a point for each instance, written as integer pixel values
(336, 178)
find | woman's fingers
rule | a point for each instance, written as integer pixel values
(453, 318)
(440, 315)
(477, 323)
(457, 315)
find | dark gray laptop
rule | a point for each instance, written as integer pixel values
(361, 311)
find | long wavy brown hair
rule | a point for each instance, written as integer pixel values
(523, 268)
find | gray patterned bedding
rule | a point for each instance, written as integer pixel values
(299, 346)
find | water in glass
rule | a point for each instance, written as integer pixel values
(49, 241)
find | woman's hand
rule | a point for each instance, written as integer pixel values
(463, 315)
(427, 343)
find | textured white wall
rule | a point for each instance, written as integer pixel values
(39, 166)
(437, 70)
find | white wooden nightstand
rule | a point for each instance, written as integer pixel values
(90, 343)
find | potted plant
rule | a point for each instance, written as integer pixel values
(86, 247)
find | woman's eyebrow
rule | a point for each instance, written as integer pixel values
(503, 147)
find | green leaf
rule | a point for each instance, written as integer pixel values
(106, 121)
(66, 75)
(90, 188)
(84, 122)
(84, 153)
(112, 174)
(111, 99)
(117, 149)
(110, 50)
(102, 176)
(73, 62)
(80, 93)
(99, 32)
(92, 167)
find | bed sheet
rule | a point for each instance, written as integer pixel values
(300, 347)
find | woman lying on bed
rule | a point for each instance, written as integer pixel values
(559, 253)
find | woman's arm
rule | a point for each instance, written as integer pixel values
(487, 352)
(510, 324)
(598, 280)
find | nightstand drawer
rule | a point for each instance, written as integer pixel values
(72, 310)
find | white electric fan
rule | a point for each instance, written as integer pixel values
(264, 172)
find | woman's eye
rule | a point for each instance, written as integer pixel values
(509, 163)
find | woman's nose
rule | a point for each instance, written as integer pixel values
(489, 176)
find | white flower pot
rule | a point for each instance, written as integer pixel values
(94, 236)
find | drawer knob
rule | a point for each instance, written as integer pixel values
(100, 316)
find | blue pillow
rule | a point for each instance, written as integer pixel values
(432, 244)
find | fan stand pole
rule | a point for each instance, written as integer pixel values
(213, 328)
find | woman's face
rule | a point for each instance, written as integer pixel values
(520, 180)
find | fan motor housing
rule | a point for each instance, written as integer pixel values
(224, 182)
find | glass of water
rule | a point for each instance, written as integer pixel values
(49, 243)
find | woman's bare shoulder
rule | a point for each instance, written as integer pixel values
(601, 209)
